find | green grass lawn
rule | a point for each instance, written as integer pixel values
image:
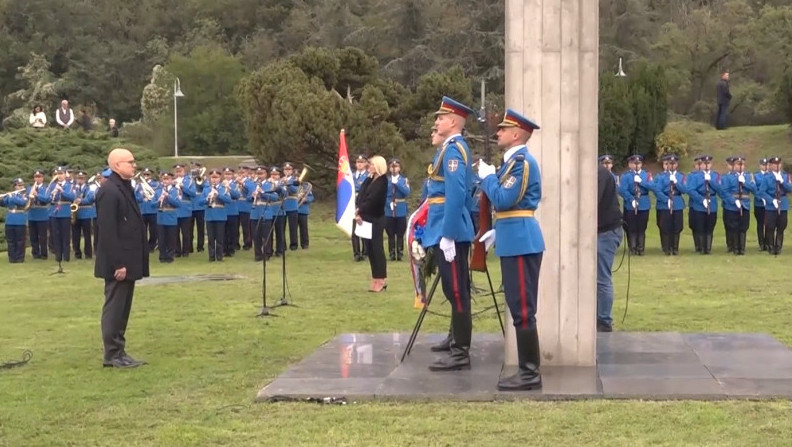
(209, 356)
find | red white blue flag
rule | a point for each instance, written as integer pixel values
(345, 189)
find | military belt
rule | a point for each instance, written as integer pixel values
(62, 202)
(86, 206)
(40, 206)
(291, 197)
(276, 203)
(167, 208)
(16, 211)
(216, 206)
(435, 200)
(399, 200)
(513, 214)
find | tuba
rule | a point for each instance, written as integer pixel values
(302, 192)
(200, 176)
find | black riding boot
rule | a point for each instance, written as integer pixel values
(729, 241)
(528, 377)
(708, 243)
(641, 241)
(675, 244)
(444, 345)
(632, 241)
(779, 242)
(741, 243)
(664, 243)
(458, 356)
(697, 241)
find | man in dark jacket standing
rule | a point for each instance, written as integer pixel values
(121, 254)
(609, 236)
(724, 97)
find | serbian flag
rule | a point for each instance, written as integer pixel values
(345, 189)
(415, 228)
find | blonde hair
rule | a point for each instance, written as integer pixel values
(380, 166)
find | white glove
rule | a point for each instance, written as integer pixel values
(707, 176)
(737, 203)
(673, 179)
(670, 204)
(705, 202)
(418, 252)
(488, 239)
(394, 179)
(449, 249)
(775, 203)
(392, 206)
(635, 204)
(741, 178)
(637, 178)
(764, 202)
(778, 177)
(485, 170)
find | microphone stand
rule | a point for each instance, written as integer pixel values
(265, 310)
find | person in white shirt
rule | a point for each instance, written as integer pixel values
(64, 115)
(37, 118)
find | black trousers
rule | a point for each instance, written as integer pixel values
(302, 226)
(775, 224)
(521, 287)
(395, 227)
(115, 316)
(231, 241)
(82, 229)
(376, 250)
(150, 222)
(244, 222)
(670, 223)
(15, 238)
(262, 238)
(291, 218)
(759, 215)
(167, 240)
(280, 235)
(358, 247)
(183, 241)
(455, 277)
(200, 224)
(38, 238)
(733, 221)
(703, 222)
(61, 234)
(216, 232)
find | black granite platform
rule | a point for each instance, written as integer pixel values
(644, 365)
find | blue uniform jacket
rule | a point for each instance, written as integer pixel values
(261, 205)
(187, 194)
(449, 194)
(86, 209)
(60, 205)
(276, 206)
(663, 190)
(290, 202)
(758, 178)
(146, 206)
(730, 191)
(215, 211)
(425, 189)
(396, 199)
(39, 209)
(515, 194)
(168, 212)
(198, 192)
(305, 208)
(697, 190)
(627, 189)
(243, 204)
(359, 178)
(232, 208)
(16, 214)
(770, 187)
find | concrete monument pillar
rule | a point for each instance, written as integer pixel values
(552, 76)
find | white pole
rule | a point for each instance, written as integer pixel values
(175, 123)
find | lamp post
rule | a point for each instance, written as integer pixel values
(621, 73)
(177, 93)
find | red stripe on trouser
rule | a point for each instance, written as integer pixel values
(523, 303)
(456, 286)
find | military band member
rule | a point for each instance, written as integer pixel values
(86, 213)
(735, 191)
(197, 220)
(759, 206)
(774, 190)
(61, 195)
(148, 207)
(396, 210)
(292, 185)
(168, 203)
(668, 188)
(186, 189)
(15, 221)
(634, 187)
(244, 206)
(278, 211)
(38, 216)
(449, 230)
(703, 189)
(303, 211)
(515, 191)
(261, 215)
(696, 170)
(360, 176)
(231, 238)
(215, 198)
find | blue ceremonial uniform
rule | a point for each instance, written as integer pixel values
(216, 217)
(148, 209)
(736, 217)
(670, 220)
(775, 216)
(168, 204)
(245, 209)
(302, 219)
(261, 218)
(759, 208)
(703, 218)
(60, 219)
(82, 227)
(185, 216)
(291, 186)
(231, 241)
(396, 215)
(358, 247)
(38, 221)
(636, 219)
(16, 219)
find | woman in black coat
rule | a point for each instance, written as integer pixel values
(371, 208)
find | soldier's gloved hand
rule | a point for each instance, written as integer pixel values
(775, 203)
(673, 179)
(635, 204)
(705, 202)
(417, 251)
(707, 176)
(449, 249)
(737, 203)
(488, 239)
(670, 204)
(637, 178)
(394, 179)
(741, 178)
(485, 169)
(778, 177)
(764, 202)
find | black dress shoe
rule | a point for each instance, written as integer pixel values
(120, 362)
(129, 359)
(78, 255)
(602, 327)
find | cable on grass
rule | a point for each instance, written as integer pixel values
(26, 356)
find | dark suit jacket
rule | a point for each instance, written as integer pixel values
(724, 95)
(371, 200)
(120, 231)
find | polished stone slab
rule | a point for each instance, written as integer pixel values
(159, 280)
(640, 365)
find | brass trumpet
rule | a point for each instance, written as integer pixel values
(148, 191)
(200, 176)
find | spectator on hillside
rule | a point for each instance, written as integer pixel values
(724, 97)
(64, 116)
(113, 128)
(85, 120)
(38, 119)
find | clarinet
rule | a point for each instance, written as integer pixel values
(671, 193)
(637, 195)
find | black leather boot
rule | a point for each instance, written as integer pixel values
(708, 243)
(664, 243)
(741, 243)
(729, 241)
(697, 241)
(399, 253)
(675, 244)
(444, 345)
(632, 241)
(528, 377)
(458, 356)
(641, 243)
(779, 242)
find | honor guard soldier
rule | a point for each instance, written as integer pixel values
(303, 211)
(215, 198)
(696, 170)
(359, 176)
(774, 190)
(606, 161)
(148, 207)
(759, 206)
(186, 189)
(449, 230)
(278, 212)
(244, 206)
(396, 210)
(729, 238)
(634, 188)
(38, 218)
(703, 189)
(86, 213)
(292, 185)
(735, 191)
(15, 220)
(61, 198)
(515, 192)
(168, 203)
(668, 188)
(231, 239)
